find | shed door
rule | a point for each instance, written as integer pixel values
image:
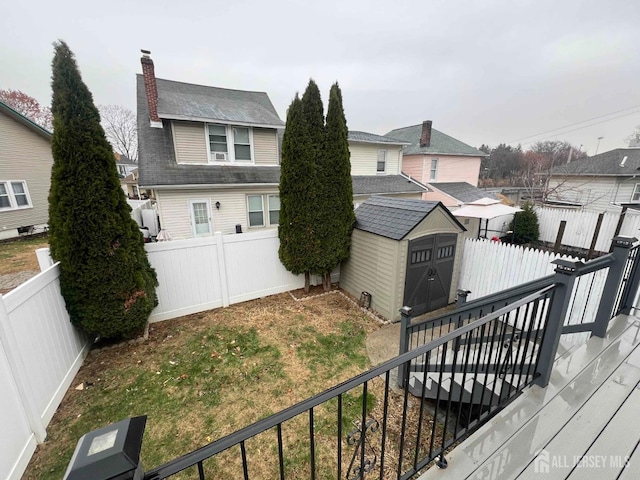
(429, 272)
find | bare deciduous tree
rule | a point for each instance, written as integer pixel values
(28, 106)
(119, 124)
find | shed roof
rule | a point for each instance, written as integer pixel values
(395, 218)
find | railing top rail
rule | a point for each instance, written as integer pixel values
(233, 439)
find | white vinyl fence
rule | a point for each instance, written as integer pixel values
(581, 225)
(200, 274)
(40, 354)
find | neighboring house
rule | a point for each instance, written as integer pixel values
(124, 165)
(25, 173)
(129, 185)
(600, 183)
(433, 157)
(211, 157)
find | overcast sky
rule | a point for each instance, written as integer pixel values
(483, 72)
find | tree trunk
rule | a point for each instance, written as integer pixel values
(327, 282)
(307, 282)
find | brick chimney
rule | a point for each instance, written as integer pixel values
(425, 138)
(151, 88)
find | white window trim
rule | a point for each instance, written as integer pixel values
(386, 161)
(231, 151)
(635, 189)
(13, 204)
(266, 219)
(433, 176)
(193, 219)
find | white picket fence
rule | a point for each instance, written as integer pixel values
(40, 354)
(489, 267)
(201, 274)
(581, 225)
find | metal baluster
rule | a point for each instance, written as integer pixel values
(245, 469)
(280, 452)
(384, 424)
(313, 445)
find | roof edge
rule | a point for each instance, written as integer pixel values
(26, 121)
(446, 211)
(189, 118)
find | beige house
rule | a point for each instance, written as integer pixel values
(25, 174)
(211, 156)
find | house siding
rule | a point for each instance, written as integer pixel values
(265, 146)
(175, 214)
(25, 155)
(364, 158)
(598, 194)
(367, 270)
(451, 168)
(436, 196)
(190, 142)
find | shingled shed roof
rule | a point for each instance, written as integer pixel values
(395, 218)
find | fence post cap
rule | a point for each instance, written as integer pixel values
(463, 292)
(624, 242)
(567, 267)
(406, 311)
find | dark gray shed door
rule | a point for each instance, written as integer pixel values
(429, 272)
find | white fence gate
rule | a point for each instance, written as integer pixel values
(40, 354)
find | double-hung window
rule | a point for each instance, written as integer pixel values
(434, 170)
(382, 162)
(635, 196)
(256, 205)
(14, 195)
(229, 144)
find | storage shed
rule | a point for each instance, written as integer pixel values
(404, 252)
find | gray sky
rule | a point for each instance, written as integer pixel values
(484, 72)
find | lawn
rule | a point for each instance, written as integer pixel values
(204, 376)
(19, 255)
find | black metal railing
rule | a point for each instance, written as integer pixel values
(390, 438)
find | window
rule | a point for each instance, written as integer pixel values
(14, 195)
(382, 161)
(229, 144)
(446, 252)
(255, 208)
(420, 256)
(635, 197)
(434, 169)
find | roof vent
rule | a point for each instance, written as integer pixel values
(624, 160)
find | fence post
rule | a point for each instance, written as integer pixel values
(405, 320)
(222, 270)
(566, 273)
(620, 247)
(461, 297)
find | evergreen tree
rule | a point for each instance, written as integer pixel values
(314, 116)
(335, 194)
(298, 242)
(525, 226)
(106, 279)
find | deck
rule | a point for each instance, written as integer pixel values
(584, 424)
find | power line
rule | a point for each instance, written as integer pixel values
(578, 123)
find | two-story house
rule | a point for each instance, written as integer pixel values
(450, 168)
(212, 157)
(25, 173)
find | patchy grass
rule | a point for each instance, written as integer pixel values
(19, 255)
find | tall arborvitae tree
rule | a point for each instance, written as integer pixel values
(106, 279)
(298, 242)
(335, 195)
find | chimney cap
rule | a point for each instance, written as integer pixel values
(146, 52)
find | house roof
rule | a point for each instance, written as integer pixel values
(124, 160)
(395, 218)
(381, 184)
(463, 191)
(157, 165)
(607, 163)
(365, 137)
(440, 143)
(27, 122)
(186, 101)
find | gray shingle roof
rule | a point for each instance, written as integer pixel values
(606, 163)
(157, 162)
(355, 136)
(394, 217)
(177, 100)
(378, 184)
(440, 143)
(463, 191)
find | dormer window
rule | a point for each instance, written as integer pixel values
(229, 144)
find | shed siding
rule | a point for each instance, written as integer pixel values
(25, 155)
(451, 168)
(364, 158)
(265, 146)
(190, 142)
(372, 267)
(598, 194)
(175, 214)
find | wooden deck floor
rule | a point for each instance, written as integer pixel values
(584, 425)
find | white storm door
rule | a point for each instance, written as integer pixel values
(201, 218)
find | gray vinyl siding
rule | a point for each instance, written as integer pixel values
(175, 209)
(265, 146)
(372, 267)
(190, 142)
(25, 155)
(598, 194)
